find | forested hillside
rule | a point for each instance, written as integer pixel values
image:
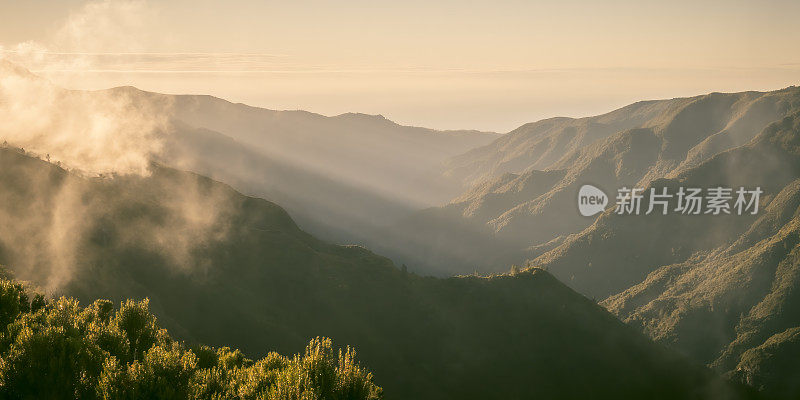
(722, 289)
(228, 270)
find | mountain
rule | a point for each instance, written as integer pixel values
(222, 268)
(700, 126)
(321, 204)
(123, 223)
(721, 289)
(771, 366)
(346, 178)
(358, 150)
(525, 184)
(543, 144)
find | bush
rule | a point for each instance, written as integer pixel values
(59, 350)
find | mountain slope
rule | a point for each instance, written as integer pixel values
(618, 251)
(722, 289)
(772, 366)
(659, 148)
(346, 178)
(711, 123)
(541, 145)
(256, 281)
(533, 174)
(320, 204)
(358, 150)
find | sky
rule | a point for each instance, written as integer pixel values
(488, 65)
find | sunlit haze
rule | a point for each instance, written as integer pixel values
(451, 65)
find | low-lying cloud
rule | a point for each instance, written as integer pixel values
(95, 132)
(51, 225)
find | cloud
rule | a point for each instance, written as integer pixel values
(48, 224)
(95, 132)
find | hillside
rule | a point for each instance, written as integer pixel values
(358, 150)
(702, 126)
(721, 289)
(320, 204)
(346, 178)
(224, 269)
(525, 183)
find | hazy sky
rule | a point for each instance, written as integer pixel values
(489, 65)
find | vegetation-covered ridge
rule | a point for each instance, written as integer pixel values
(521, 203)
(225, 269)
(57, 349)
(721, 289)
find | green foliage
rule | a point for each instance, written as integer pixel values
(13, 302)
(55, 344)
(161, 374)
(772, 367)
(139, 326)
(320, 373)
(60, 350)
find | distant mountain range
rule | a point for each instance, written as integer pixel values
(346, 178)
(527, 180)
(358, 150)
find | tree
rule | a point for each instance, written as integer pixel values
(96, 352)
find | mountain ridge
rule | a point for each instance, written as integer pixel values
(721, 289)
(673, 136)
(268, 285)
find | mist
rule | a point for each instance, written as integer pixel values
(73, 146)
(91, 132)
